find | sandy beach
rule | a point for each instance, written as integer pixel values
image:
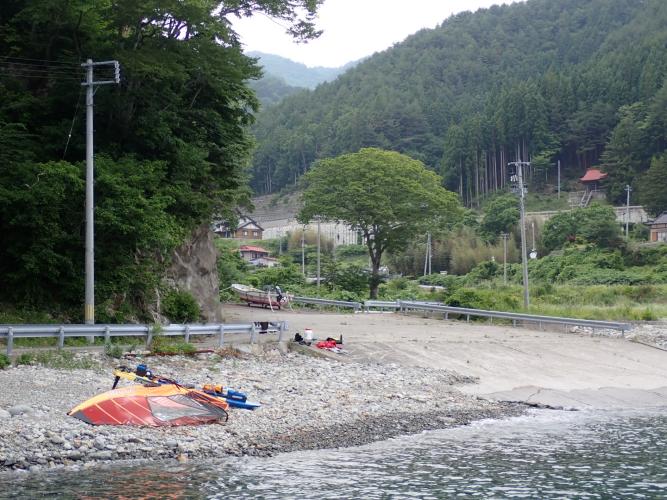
(397, 375)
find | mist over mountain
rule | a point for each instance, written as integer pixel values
(576, 81)
(296, 74)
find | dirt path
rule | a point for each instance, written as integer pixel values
(542, 367)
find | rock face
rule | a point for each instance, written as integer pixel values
(194, 269)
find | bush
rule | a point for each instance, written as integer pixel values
(25, 359)
(113, 351)
(180, 307)
(4, 361)
(163, 345)
(467, 297)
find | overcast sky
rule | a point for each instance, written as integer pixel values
(353, 28)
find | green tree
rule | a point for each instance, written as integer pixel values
(389, 197)
(595, 224)
(500, 215)
(653, 186)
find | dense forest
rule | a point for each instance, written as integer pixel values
(576, 81)
(171, 139)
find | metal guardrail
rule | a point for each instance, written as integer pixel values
(406, 305)
(326, 302)
(12, 332)
(381, 304)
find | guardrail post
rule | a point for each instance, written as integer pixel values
(253, 333)
(107, 335)
(149, 336)
(467, 318)
(283, 327)
(222, 335)
(61, 337)
(187, 334)
(10, 341)
(514, 323)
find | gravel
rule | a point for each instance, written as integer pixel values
(307, 402)
(652, 334)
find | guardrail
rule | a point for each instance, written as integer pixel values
(326, 302)
(381, 304)
(12, 332)
(406, 305)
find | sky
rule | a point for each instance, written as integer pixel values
(352, 28)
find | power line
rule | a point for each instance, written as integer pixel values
(73, 64)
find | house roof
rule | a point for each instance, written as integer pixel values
(593, 174)
(660, 219)
(250, 248)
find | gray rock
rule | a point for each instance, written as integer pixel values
(19, 410)
(4, 414)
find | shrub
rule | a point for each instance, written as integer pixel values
(113, 351)
(162, 345)
(4, 361)
(467, 297)
(25, 359)
(180, 307)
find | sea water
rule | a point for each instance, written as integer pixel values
(545, 454)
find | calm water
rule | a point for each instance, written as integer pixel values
(544, 455)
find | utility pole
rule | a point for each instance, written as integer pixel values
(559, 179)
(90, 83)
(627, 209)
(504, 236)
(427, 258)
(303, 251)
(522, 210)
(318, 253)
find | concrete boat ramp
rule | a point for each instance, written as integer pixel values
(543, 368)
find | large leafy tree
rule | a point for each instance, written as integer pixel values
(171, 140)
(389, 197)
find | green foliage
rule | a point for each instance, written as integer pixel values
(171, 140)
(351, 278)
(501, 214)
(387, 196)
(543, 80)
(595, 224)
(653, 186)
(4, 361)
(113, 351)
(58, 359)
(165, 345)
(180, 307)
(344, 251)
(283, 276)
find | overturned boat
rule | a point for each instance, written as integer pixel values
(156, 406)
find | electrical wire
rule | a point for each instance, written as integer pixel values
(71, 128)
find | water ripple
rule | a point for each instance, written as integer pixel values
(546, 454)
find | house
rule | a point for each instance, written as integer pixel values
(265, 262)
(658, 228)
(246, 228)
(250, 253)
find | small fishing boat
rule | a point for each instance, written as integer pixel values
(255, 296)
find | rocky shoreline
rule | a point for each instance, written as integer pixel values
(307, 403)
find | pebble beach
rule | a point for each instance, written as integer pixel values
(307, 402)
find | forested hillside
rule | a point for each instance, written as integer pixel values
(580, 81)
(296, 74)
